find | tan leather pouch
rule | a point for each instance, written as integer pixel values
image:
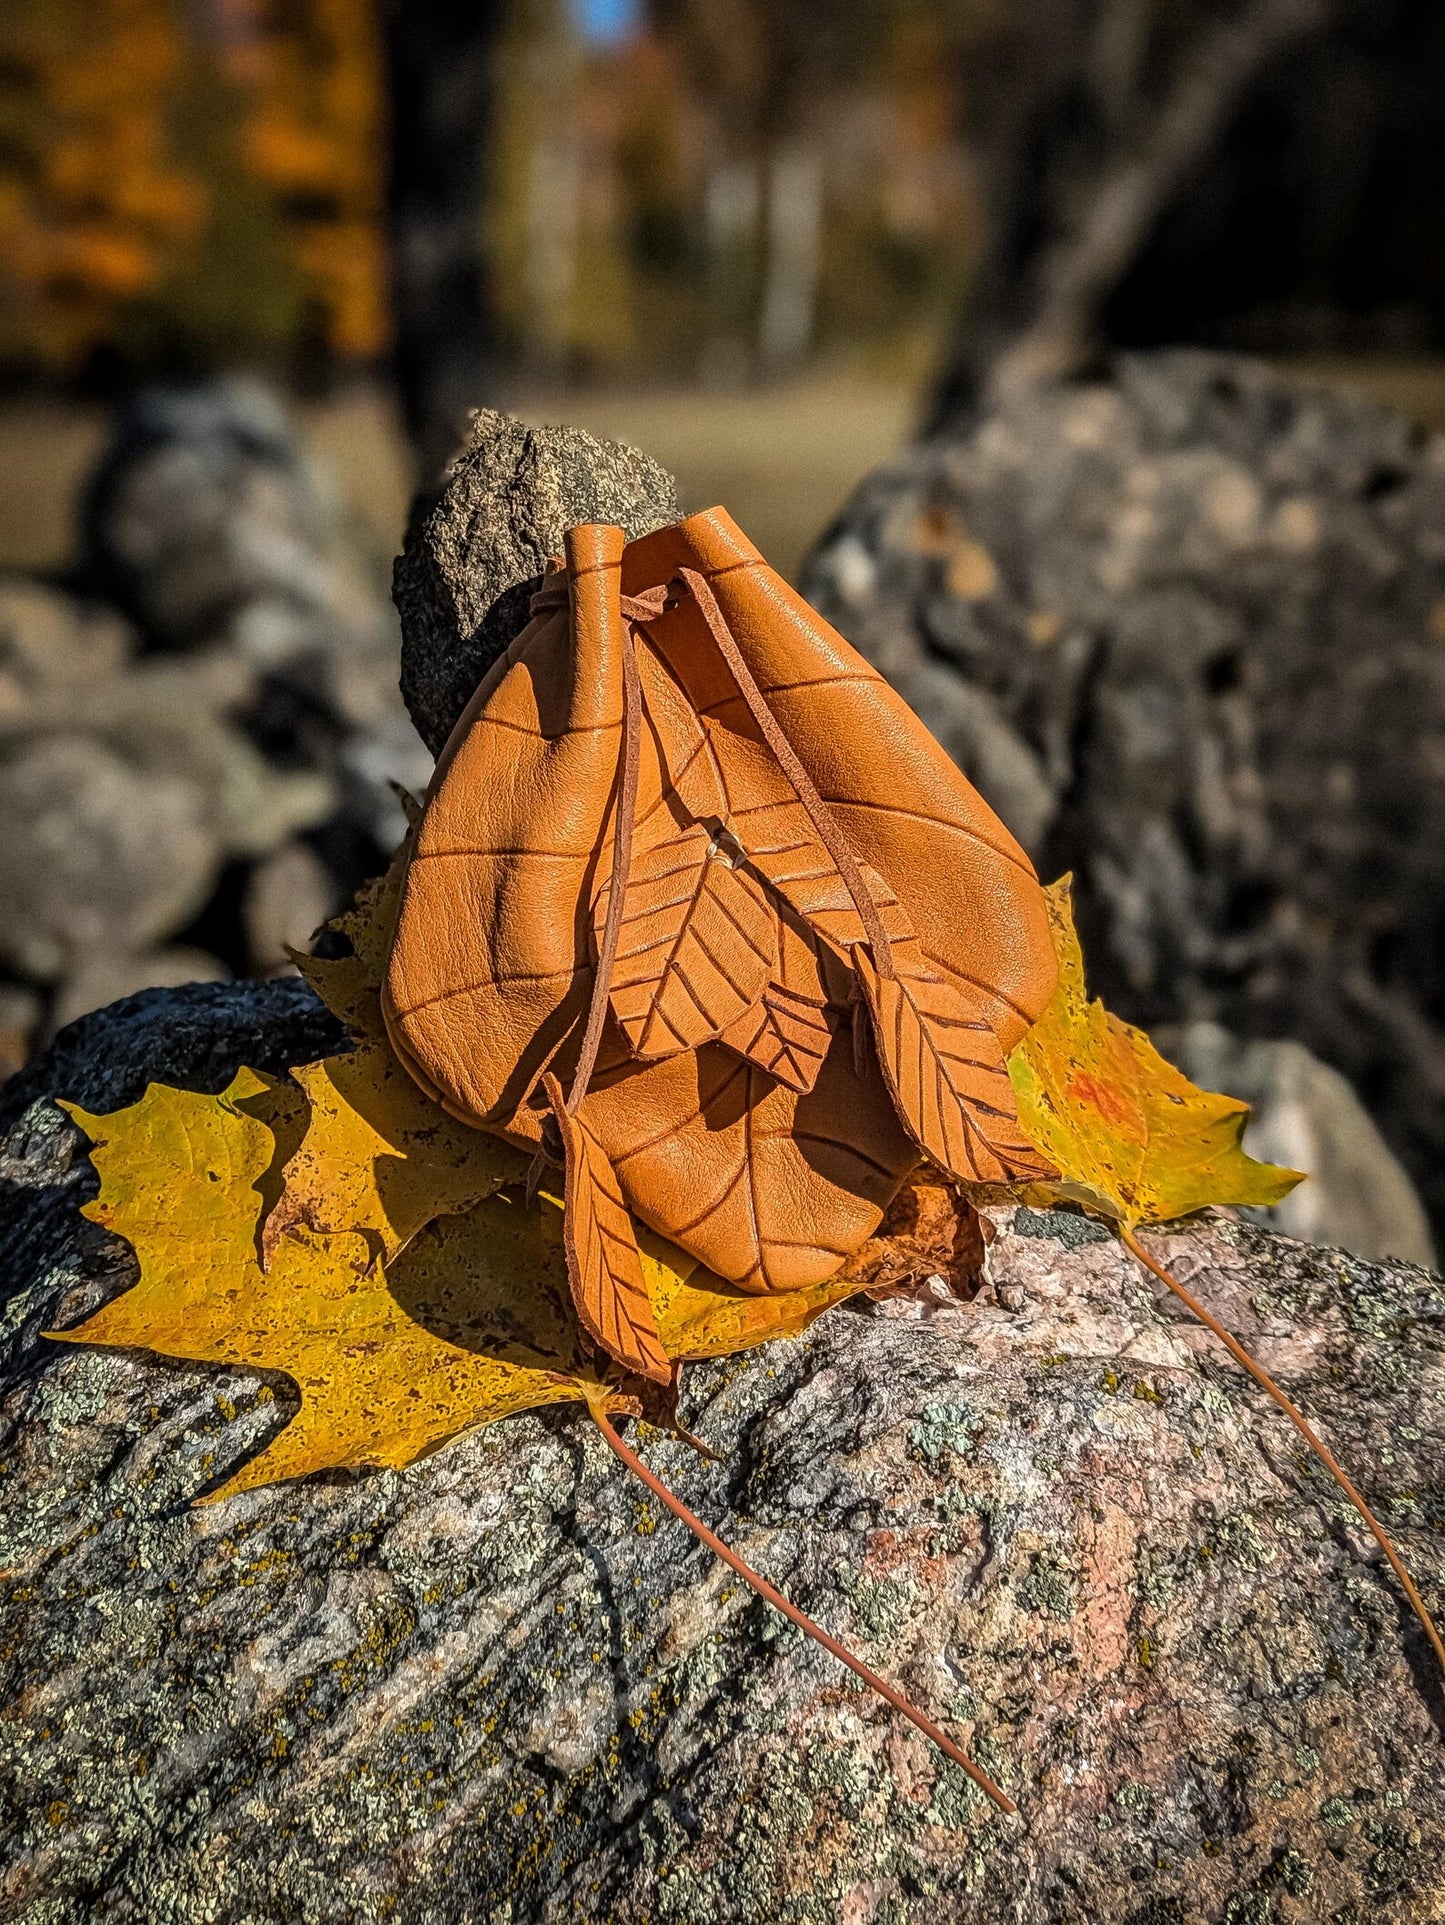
(693, 882)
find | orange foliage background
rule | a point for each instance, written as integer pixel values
(123, 131)
(190, 182)
(311, 75)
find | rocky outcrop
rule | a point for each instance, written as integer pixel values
(1184, 624)
(212, 525)
(477, 548)
(196, 1036)
(502, 1685)
(198, 731)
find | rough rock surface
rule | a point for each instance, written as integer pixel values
(196, 1036)
(210, 522)
(476, 551)
(502, 1687)
(194, 756)
(1185, 626)
(96, 853)
(1305, 1115)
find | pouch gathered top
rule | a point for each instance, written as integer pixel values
(699, 910)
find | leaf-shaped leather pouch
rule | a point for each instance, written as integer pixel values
(691, 860)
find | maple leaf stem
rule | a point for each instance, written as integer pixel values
(1266, 1383)
(804, 1623)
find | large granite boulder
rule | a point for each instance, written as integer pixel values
(1184, 624)
(502, 1686)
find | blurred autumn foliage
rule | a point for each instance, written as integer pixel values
(709, 188)
(180, 185)
(735, 186)
(96, 202)
(719, 186)
(311, 81)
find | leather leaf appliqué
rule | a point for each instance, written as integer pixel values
(946, 1073)
(786, 1034)
(778, 1187)
(788, 1031)
(604, 1266)
(697, 944)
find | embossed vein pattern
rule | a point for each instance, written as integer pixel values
(946, 1071)
(698, 944)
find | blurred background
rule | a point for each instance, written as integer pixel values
(945, 299)
(763, 241)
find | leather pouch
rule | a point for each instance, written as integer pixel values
(699, 909)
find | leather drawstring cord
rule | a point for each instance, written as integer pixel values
(557, 595)
(621, 866)
(818, 813)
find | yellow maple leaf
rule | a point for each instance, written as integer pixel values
(377, 1154)
(380, 1156)
(348, 978)
(699, 1315)
(1131, 1137)
(469, 1321)
(182, 1180)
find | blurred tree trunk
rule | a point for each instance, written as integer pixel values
(1090, 115)
(768, 72)
(441, 67)
(794, 248)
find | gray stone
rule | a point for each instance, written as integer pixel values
(503, 1686)
(1183, 623)
(476, 552)
(208, 516)
(151, 759)
(107, 975)
(195, 1037)
(210, 521)
(171, 719)
(95, 853)
(124, 797)
(51, 643)
(288, 898)
(1306, 1116)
